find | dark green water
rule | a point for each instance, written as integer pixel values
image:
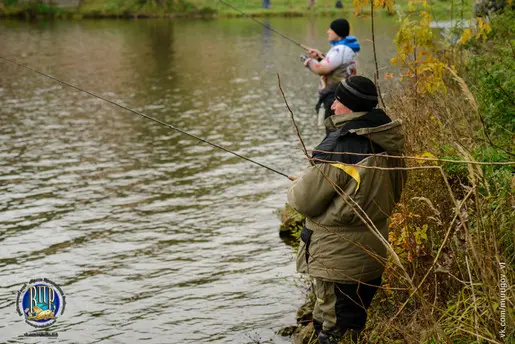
(152, 235)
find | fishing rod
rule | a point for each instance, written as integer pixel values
(265, 25)
(147, 117)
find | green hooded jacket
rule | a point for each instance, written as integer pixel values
(336, 243)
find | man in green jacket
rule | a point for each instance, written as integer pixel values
(347, 200)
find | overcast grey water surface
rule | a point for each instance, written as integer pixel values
(153, 236)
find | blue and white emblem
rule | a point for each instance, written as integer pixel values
(41, 302)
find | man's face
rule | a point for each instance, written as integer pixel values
(339, 108)
(332, 36)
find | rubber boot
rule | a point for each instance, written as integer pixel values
(318, 327)
(327, 338)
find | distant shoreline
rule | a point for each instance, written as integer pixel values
(42, 11)
(67, 14)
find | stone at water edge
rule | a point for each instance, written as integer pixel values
(305, 335)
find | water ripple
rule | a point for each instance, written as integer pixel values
(152, 235)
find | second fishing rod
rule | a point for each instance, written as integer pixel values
(266, 26)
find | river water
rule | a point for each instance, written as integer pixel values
(152, 235)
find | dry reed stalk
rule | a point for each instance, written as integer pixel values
(473, 297)
(407, 157)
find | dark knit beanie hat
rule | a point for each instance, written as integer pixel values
(357, 93)
(341, 27)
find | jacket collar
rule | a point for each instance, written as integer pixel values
(337, 121)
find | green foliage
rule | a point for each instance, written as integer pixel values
(47, 10)
(499, 177)
(207, 11)
(451, 9)
(291, 224)
(454, 172)
(491, 71)
(498, 191)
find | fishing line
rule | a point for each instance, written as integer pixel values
(145, 116)
(265, 25)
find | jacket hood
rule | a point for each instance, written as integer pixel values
(350, 41)
(375, 125)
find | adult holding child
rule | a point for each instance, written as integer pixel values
(339, 63)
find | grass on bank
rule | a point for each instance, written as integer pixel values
(440, 9)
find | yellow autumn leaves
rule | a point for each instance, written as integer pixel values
(480, 31)
(416, 52)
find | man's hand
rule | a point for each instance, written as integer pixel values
(292, 178)
(316, 54)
